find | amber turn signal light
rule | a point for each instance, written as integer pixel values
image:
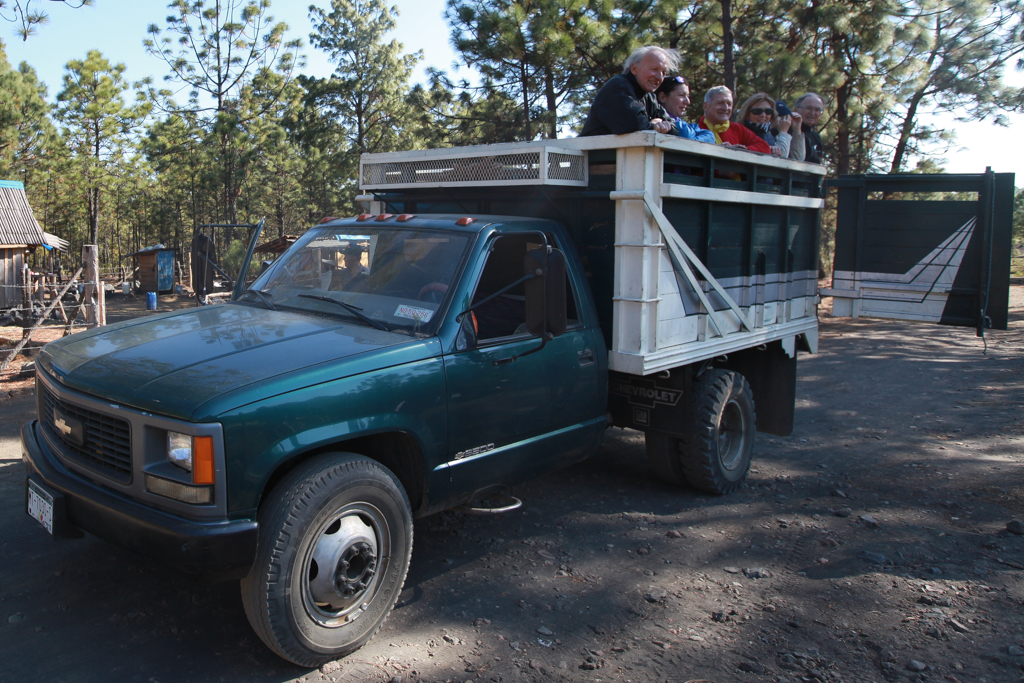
(202, 460)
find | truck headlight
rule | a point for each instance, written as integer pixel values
(193, 454)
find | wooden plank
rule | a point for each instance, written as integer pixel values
(717, 194)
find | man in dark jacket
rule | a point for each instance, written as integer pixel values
(626, 103)
(810, 106)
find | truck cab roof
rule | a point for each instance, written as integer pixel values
(469, 223)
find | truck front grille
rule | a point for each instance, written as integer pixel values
(105, 441)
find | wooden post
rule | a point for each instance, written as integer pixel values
(93, 289)
(187, 279)
(26, 285)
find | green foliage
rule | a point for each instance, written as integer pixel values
(537, 53)
(234, 60)
(97, 124)
(362, 107)
(237, 133)
(26, 133)
(27, 17)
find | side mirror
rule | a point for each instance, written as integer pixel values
(545, 293)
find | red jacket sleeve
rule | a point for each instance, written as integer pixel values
(750, 140)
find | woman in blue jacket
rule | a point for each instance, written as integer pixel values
(674, 95)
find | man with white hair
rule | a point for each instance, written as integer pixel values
(626, 103)
(717, 110)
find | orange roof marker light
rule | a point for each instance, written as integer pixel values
(384, 216)
(327, 219)
(465, 220)
(365, 216)
(405, 217)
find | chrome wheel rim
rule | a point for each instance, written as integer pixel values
(343, 565)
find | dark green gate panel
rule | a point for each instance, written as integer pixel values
(937, 260)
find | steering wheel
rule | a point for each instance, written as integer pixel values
(433, 293)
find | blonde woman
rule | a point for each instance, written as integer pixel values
(760, 114)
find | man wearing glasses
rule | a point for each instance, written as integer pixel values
(810, 106)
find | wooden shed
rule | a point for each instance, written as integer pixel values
(156, 269)
(19, 235)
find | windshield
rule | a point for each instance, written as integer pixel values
(389, 277)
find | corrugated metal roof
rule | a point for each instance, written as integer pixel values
(54, 241)
(17, 224)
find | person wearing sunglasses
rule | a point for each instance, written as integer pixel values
(810, 106)
(626, 103)
(760, 115)
(674, 95)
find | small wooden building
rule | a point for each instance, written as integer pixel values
(277, 246)
(19, 235)
(155, 269)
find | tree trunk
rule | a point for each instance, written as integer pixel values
(524, 81)
(728, 61)
(549, 92)
(843, 127)
(909, 121)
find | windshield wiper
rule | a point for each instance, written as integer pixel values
(264, 297)
(354, 310)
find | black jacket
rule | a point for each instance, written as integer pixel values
(812, 143)
(622, 106)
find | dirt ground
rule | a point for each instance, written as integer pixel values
(871, 545)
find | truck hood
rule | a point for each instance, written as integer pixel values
(175, 362)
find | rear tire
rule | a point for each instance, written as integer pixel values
(334, 548)
(715, 454)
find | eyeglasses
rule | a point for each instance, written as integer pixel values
(757, 111)
(816, 110)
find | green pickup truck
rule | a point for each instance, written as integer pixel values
(427, 353)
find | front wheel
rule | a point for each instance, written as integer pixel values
(334, 548)
(715, 454)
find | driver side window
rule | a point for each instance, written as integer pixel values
(505, 314)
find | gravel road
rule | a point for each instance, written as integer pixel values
(874, 544)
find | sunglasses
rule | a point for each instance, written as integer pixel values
(757, 111)
(677, 79)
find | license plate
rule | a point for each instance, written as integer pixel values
(40, 506)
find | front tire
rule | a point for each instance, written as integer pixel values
(334, 548)
(715, 454)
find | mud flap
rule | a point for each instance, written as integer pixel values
(771, 373)
(655, 403)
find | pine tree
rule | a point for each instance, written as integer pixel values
(221, 46)
(954, 53)
(97, 123)
(26, 133)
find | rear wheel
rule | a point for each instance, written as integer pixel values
(334, 548)
(715, 454)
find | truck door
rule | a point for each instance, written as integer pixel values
(510, 420)
(934, 248)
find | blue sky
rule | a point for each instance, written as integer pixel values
(118, 27)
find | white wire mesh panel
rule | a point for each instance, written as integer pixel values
(566, 167)
(534, 166)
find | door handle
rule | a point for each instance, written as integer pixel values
(586, 357)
